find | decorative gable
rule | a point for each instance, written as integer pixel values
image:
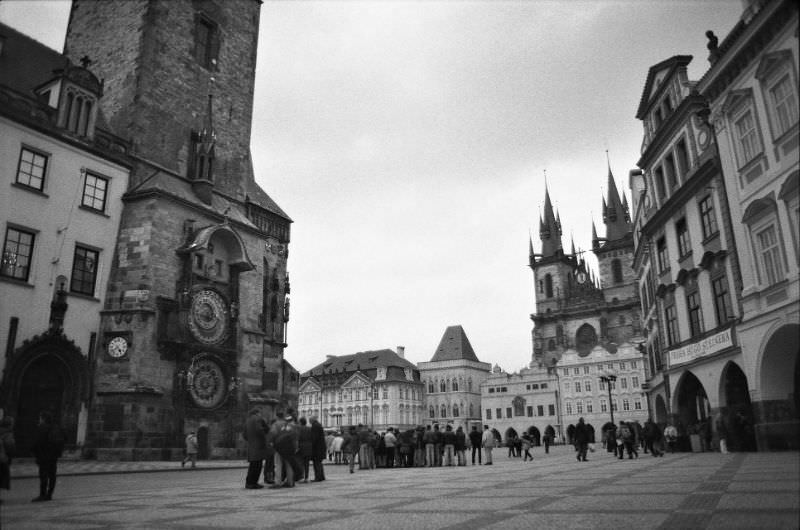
(310, 385)
(356, 380)
(770, 61)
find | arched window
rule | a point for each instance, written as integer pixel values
(548, 286)
(430, 387)
(455, 385)
(455, 411)
(442, 386)
(444, 411)
(551, 345)
(471, 411)
(585, 339)
(560, 334)
(469, 384)
(616, 270)
(432, 412)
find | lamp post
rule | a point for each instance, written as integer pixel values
(608, 379)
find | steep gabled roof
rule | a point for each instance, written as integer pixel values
(27, 63)
(454, 345)
(668, 67)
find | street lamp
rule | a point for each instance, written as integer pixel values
(608, 379)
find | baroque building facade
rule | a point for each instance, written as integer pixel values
(379, 389)
(192, 331)
(751, 89)
(684, 241)
(452, 381)
(57, 155)
(716, 216)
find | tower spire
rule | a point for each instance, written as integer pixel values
(550, 232)
(614, 212)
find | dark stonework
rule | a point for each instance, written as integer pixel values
(198, 263)
(777, 425)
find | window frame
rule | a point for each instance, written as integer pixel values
(671, 320)
(683, 239)
(35, 153)
(694, 310)
(708, 219)
(776, 67)
(88, 277)
(92, 197)
(31, 245)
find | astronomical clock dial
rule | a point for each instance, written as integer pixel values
(581, 277)
(208, 317)
(208, 388)
(117, 347)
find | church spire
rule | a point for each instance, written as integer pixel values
(595, 241)
(531, 256)
(550, 231)
(614, 212)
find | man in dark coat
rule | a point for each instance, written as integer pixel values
(47, 449)
(475, 441)
(318, 447)
(256, 437)
(582, 436)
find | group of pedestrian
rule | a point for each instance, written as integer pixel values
(48, 446)
(283, 449)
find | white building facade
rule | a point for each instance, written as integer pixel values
(452, 381)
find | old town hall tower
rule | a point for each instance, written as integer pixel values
(577, 309)
(193, 327)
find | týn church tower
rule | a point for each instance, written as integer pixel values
(575, 306)
(193, 327)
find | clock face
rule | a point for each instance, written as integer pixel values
(117, 347)
(581, 277)
(208, 317)
(208, 387)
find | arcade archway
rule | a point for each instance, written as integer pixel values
(692, 401)
(778, 422)
(535, 435)
(738, 412)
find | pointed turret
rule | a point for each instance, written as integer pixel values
(616, 221)
(203, 156)
(572, 245)
(625, 207)
(531, 256)
(595, 241)
(550, 233)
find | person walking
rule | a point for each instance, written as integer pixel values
(475, 441)
(318, 449)
(191, 449)
(547, 439)
(256, 437)
(286, 447)
(336, 447)
(488, 443)
(582, 436)
(7, 448)
(671, 436)
(350, 447)
(47, 449)
(419, 446)
(526, 447)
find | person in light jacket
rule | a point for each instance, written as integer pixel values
(488, 443)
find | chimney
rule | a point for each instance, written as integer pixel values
(401, 351)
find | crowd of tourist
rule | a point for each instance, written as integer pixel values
(286, 447)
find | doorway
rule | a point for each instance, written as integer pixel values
(42, 388)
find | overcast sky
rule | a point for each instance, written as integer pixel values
(408, 142)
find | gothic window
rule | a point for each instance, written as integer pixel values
(519, 406)
(206, 43)
(442, 386)
(430, 387)
(616, 270)
(585, 339)
(560, 334)
(455, 411)
(551, 345)
(548, 286)
(455, 385)
(444, 411)
(471, 414)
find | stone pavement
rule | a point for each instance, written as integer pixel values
(685, 490)
(27, 468)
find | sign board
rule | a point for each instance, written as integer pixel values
(703, 348)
